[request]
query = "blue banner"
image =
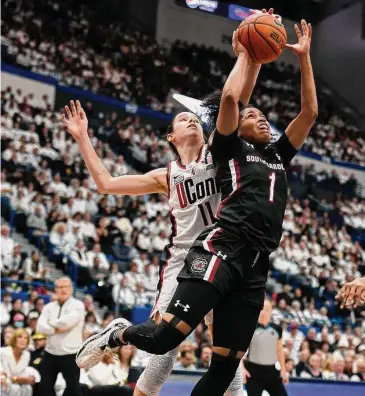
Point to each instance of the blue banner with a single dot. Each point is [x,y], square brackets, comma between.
[238,13]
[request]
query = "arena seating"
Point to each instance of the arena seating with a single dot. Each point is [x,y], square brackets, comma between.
[110,59]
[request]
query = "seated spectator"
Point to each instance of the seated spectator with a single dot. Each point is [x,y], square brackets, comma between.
[29,304]
[37,221]
[91,323]
[349,364]
[296,313]
[126,354]
[16,261]
[159,242]
[311,339]
[96,272]
[359,370]
[6,335]
[132,276]
[78,254]
[323,319]
[186,361]
[281,312]
[57,186]
[15,364]
[310,313]
[286,295]
[295,334]
[123,296]
[87,228]
[17,317]
[96,252]
[337,374]
[7,301]
[104,375]
[313,369]
[289,367]
[149,279]
[32,321]
[141,297]
[115,276]
[205,357]
[7,244]
[62,240]
[33,267]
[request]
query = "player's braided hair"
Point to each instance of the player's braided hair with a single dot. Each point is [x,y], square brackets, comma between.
[211,104]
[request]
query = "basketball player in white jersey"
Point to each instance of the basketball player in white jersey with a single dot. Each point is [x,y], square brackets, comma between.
[190,185]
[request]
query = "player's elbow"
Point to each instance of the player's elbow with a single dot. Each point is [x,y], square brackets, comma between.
[229,97]
[311,112]
[103,187]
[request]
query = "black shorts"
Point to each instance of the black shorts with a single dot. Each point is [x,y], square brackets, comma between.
[240,275]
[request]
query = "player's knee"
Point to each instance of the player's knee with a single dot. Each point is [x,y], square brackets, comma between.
[155,374]
[156,339]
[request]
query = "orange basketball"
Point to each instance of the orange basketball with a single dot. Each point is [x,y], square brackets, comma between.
[264,37]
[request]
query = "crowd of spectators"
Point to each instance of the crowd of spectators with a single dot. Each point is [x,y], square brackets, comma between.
[117,245]
[108,58]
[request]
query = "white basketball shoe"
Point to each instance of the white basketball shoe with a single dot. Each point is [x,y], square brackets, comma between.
[94,348]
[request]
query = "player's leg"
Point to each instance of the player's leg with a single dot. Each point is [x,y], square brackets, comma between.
[236,386]
[158,370]
[192,300]
[275,387]
[234,326]
[159,367]
[254,387]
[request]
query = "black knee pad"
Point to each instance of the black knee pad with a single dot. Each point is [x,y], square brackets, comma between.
[156,339]
[218,377]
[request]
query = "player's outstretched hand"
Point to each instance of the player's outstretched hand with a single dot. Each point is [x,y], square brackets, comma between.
[304,39]
[238,48]
[352,293]
[76,122]
[263,11]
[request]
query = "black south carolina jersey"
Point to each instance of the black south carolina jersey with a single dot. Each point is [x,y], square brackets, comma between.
[253,188]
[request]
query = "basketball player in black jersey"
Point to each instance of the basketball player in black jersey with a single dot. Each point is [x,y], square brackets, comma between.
[226,269]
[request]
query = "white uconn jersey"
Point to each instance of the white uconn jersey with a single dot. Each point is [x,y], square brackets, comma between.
[193,198]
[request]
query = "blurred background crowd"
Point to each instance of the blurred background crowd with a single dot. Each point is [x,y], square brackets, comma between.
[55,221]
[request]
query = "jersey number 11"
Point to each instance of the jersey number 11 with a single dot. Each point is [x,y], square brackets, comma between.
[207,214]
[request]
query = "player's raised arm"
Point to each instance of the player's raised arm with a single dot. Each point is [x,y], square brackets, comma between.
[228,116]
[152,182]
[253,69]
[299,128]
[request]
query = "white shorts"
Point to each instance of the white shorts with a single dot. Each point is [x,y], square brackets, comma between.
[169,282]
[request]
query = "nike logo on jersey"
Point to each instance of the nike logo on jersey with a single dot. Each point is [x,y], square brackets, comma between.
[189,192]
[178,304]
[178,179]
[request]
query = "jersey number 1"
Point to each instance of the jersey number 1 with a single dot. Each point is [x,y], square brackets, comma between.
[204,214]
[272,178]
